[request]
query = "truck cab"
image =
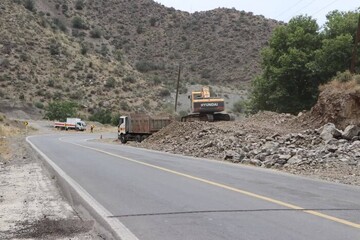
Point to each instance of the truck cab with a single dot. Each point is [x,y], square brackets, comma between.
[124,125]
[80,126]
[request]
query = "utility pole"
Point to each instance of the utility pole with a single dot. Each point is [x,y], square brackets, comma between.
[177,87]
[355,50]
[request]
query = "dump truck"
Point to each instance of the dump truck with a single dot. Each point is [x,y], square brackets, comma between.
[71,123]
[137,127]
[206,108]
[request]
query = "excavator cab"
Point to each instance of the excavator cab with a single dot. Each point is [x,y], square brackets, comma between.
[206,108]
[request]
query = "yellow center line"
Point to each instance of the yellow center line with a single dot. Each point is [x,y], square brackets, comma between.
[254,195]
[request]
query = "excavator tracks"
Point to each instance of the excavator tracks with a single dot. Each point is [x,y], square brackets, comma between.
[206,117]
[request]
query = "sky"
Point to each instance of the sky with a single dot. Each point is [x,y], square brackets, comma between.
[282,10]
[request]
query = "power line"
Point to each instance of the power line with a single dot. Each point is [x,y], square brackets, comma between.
[324,7]
[306,6]
[298,2]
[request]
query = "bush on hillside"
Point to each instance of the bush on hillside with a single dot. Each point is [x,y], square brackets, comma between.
[79,4]
[78,23]
[95,33]
[30,5]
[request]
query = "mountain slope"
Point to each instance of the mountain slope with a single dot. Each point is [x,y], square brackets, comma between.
[122,55]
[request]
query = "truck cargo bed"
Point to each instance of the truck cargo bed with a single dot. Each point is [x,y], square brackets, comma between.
[142,123]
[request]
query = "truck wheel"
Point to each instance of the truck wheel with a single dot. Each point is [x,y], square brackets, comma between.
[122,138]
[138,138]
[143,137]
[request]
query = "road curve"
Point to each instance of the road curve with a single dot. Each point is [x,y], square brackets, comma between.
[164,196]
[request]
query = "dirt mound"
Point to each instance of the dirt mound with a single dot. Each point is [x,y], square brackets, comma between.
[338,103]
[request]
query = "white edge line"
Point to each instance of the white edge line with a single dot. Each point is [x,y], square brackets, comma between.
[123,232]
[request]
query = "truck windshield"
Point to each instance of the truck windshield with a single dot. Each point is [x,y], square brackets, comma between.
[121,121]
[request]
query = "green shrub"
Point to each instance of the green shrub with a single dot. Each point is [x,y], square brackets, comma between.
[129,79]
[110,82]
[103,116]
[79,4]
[64,8]
[104,50]
[5,63]
[115,119]
[78,23]
[156,80]
[140,29]
[30,5]
[125,106]
[51,83]
[83,49]
[205,73]
[344,76]
[54,47]
[60,110]
[60,24]
[95,33]
[153,21]
[147,66]
[39,105]
[118,55]
[357,79]
[238,107]
[164,93]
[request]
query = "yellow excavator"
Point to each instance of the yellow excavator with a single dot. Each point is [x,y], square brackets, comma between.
[206,108]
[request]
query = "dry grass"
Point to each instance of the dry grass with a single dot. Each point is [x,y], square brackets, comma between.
[352,85]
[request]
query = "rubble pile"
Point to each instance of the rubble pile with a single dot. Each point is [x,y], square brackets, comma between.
[267,140]
[324,142]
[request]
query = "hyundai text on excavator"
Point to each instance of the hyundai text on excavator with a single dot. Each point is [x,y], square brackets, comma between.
[206,108]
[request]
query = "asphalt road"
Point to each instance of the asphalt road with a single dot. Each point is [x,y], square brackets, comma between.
[164,196]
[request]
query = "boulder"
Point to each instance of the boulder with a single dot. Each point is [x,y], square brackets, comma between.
[329,131]
[350,132]
[294,160]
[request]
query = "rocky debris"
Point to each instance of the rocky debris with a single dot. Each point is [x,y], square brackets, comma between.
[260,144]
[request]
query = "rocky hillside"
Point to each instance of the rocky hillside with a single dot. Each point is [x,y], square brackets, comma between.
[121,55]
[220,46]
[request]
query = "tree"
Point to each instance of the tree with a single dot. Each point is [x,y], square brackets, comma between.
[103,116]
[341,23]
[288,83]
[60,110]
[337,44]
[115,119]
[334,56]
